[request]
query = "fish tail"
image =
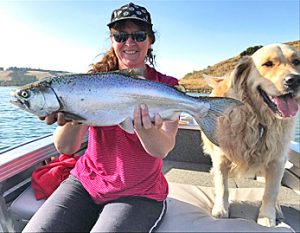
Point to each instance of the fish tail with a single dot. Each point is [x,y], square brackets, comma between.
[218,107]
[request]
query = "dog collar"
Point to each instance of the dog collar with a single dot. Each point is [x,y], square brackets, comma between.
[262,130]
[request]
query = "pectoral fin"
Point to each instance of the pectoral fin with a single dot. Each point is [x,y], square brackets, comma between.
[72,116]
[127,125]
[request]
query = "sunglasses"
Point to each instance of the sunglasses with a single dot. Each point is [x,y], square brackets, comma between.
[121,37]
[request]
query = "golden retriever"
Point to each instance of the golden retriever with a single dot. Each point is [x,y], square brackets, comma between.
[254,138]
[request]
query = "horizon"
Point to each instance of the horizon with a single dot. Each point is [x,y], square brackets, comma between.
[70,35]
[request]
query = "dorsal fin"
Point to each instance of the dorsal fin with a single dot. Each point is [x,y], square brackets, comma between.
[135,72]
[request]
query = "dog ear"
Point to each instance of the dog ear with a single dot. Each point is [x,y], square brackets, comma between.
[212,81]
[241,72]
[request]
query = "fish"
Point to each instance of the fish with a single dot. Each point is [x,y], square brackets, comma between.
[109,98]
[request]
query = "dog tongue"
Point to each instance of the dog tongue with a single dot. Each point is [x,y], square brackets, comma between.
[286,105]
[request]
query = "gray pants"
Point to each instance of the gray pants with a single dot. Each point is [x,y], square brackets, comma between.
[71,209]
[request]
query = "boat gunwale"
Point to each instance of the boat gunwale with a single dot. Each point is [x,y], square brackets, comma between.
[26,155]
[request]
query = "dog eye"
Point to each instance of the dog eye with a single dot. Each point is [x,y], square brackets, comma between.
[296,62]
[268,63]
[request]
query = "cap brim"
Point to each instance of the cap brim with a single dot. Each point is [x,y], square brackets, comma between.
[130,18]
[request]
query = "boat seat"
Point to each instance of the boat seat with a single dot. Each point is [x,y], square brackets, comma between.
[25,205]
[188,210]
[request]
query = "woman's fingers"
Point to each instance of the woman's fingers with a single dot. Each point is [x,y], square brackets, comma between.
[137,118]
[61,119]
[49,120]
[158,121]
[146,121]
[142,119]
[55,117]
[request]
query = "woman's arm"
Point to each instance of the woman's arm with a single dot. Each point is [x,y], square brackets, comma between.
[68,138]
[158,138]
[68,135]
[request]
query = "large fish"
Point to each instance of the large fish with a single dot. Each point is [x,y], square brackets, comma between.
[105,99]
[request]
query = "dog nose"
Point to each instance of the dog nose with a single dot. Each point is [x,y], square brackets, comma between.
[292,81]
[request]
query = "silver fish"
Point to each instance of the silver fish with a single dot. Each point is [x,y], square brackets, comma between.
[105,99]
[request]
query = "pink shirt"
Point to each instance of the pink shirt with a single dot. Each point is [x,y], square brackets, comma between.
[115,163]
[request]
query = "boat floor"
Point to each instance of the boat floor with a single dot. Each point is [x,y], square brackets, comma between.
[199,175]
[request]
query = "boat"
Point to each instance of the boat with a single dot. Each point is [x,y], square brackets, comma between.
[191,188]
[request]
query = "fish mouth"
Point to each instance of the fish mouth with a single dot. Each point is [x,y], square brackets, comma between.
[283,106]
[19,102]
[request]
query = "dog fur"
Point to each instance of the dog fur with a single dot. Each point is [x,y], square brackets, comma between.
[253,138]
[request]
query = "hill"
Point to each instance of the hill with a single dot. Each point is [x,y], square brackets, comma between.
[195,82]
[14,76]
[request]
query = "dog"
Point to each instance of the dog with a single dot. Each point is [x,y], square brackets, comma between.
[254,138]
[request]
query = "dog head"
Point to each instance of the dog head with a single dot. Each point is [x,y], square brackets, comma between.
[270,79]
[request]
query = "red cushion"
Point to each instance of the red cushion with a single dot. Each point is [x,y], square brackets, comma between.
[47,178]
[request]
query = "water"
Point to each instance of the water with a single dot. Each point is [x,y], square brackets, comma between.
[17,126]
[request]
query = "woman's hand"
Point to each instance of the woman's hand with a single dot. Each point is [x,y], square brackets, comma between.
[58,117]
[157,136]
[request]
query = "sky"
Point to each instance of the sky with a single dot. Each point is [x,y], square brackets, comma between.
[190,35]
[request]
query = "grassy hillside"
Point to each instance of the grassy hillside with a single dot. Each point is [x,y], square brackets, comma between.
[14,76]
[195,81]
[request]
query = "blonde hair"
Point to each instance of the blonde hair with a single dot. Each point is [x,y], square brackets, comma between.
[109,61]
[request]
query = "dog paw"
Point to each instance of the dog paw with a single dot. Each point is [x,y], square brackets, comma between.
[266,221]
[220,212]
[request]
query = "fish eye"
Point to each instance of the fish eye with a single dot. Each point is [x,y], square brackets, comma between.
[24,94]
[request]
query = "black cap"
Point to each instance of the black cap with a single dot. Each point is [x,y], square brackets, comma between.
[130,11]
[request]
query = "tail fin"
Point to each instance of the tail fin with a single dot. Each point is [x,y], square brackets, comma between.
[218,107]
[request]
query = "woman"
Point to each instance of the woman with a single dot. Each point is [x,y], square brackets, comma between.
[117,185]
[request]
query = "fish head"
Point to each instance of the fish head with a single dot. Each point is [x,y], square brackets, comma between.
[38,100]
